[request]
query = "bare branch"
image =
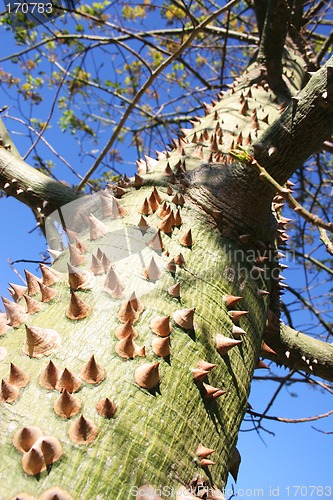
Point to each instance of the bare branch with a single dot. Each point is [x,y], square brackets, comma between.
[273,40]
[325,47]
[314,261]
[48,145]
[147,84]
[107,40]
[293,204]
[290,420]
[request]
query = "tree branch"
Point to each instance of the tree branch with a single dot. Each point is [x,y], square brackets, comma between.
[260,8]
[6,141]
[290,140]
[273,37]
[292,202]
[314,261]
[298,351]
[107,40]
[290,420]
[326,45]
[325,239]
[28,185]
[147,84]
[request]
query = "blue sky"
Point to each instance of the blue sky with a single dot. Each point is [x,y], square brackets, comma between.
[296,455]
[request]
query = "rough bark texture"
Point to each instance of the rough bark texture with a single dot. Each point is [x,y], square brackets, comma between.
[154,435]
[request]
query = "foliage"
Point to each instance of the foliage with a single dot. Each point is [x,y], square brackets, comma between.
[93,62]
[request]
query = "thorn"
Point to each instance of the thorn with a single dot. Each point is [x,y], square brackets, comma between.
[231,300]
[138,180]
[205,365]
[204,452]
[261,293]
[224,344]
[244,239]
[82,431]
[184,318]
[186,239]
[147,375]
[272,151]
[152,271]
[236,315]
[244,108]
[237,332]
[261,364]
[265,349]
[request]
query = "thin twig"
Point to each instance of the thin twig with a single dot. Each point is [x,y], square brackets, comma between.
[51,148]
[11,263]
[147,84]
[46,124]
[107,40]
[314,261]
[292,202]
[311,308]
[290,420]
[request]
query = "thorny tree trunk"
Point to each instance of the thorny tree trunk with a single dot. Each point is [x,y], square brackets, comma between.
[154,435]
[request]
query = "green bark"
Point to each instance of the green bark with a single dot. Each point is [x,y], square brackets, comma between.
[28,185]
[301,352]
[153,437]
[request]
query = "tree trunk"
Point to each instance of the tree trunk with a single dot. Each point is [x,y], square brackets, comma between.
[160,421]
[153,436]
